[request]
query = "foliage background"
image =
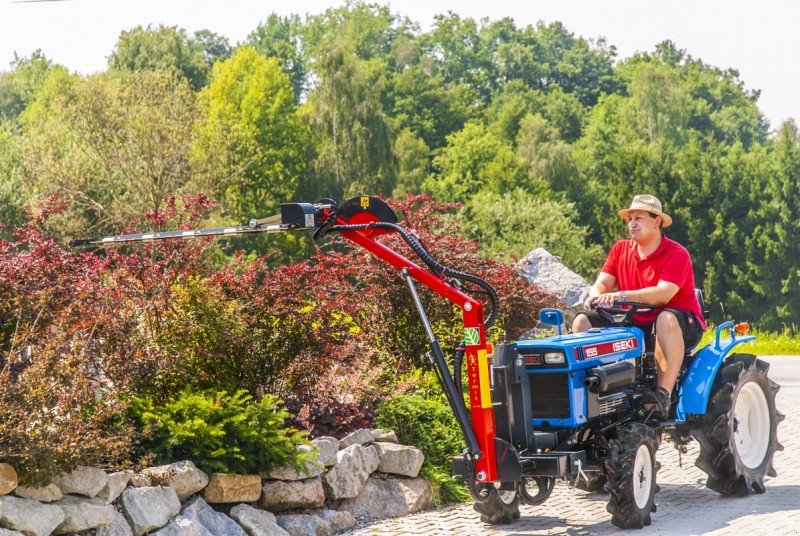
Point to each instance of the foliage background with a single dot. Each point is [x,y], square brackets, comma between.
[540,134]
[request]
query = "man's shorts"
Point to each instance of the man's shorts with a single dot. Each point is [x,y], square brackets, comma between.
[690,327]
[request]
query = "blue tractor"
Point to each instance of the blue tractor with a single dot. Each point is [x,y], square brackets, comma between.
[572,407]
[577,407]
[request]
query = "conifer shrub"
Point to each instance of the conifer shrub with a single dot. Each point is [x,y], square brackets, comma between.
[220,432]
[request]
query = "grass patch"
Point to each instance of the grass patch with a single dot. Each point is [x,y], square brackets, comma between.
[786,342]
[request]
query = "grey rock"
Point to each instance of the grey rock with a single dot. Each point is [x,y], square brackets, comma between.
[7,532]
[116,483]
[278,495]
[359,437]
[390,497]
[340,521]
[304,525]
[8,478]
[310,469]
[149,508]
[388,437]
[352,469]
[81,514]
[399,459]
[138,480]
[32,518]
[198,519]
[328,447]
[256,522]
[87,481]
[542,269]
[45,494]
[119,527]
[183,476]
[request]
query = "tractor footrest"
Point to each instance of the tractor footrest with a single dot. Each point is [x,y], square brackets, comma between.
[554,464]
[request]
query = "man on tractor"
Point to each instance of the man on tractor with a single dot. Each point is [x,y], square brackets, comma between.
[653,269]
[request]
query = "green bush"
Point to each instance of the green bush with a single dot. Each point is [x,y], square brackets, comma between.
[428,424]
[219,432]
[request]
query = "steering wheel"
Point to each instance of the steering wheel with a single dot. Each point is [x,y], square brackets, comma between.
[621,312]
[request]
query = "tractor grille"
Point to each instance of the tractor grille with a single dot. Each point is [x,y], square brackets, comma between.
[549,396]
[613,403]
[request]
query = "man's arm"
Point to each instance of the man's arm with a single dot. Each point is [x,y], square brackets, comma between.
[657,295]
[604,284]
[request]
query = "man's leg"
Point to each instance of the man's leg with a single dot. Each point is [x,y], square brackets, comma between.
[581,323]
[669,349]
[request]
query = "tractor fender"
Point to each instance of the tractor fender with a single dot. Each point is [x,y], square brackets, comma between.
[699,378]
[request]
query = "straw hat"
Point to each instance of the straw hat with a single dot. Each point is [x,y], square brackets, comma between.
[647,203]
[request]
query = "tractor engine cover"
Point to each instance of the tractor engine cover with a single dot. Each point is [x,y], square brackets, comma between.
[576,377]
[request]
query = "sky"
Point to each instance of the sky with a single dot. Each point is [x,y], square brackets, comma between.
[759,39]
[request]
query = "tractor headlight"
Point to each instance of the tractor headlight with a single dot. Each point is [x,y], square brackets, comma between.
[554,358]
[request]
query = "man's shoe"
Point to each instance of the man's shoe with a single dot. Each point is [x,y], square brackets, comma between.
[659,402]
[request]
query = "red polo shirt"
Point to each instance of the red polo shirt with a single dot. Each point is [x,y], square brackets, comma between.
[669,262]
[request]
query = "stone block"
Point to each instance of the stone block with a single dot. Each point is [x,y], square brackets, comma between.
[32,518]
[278,495]
[116,483]
[390,497]
[352,469]
[81,513]
[149,508]
[399,459]
[86,481]
[227,488]
[183,476]
[256,522]
[45,494]
[8,478]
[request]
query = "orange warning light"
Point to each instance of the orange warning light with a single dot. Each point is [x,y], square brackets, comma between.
[741,328]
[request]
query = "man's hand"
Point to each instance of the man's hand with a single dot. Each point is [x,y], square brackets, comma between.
[589,303]
[606,299]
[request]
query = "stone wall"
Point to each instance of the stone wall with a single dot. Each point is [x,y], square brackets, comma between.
[364,476]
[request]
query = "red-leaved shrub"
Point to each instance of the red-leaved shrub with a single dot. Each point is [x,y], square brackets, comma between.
[82,332]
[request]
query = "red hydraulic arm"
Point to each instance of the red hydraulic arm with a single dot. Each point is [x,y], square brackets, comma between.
[361,220]
[478,373]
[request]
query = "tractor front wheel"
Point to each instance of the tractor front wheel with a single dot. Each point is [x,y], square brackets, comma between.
[631,470]
[738,433]
[500,508]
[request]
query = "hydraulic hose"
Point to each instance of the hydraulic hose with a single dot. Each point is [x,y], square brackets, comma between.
[435,266]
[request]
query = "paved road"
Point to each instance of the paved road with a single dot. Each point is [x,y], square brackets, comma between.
[685,506]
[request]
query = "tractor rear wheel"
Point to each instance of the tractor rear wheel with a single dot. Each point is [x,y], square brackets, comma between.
[631,469]
[500,508]
[738,433]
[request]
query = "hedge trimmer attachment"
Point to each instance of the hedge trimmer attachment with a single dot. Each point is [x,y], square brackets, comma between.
[362,220]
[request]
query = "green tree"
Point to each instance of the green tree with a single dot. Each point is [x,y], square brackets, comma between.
[18,87]
[114,145]
[514,223]
[354,138]
[476,160]
[773,250]
[169,47]
[281,38]
[413,163]
[251,140]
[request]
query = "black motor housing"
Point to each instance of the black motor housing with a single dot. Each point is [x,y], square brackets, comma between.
[612,378]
